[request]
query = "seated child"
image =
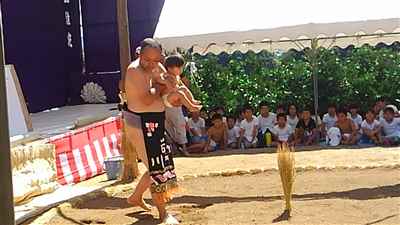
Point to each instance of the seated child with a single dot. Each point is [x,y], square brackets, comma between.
[233,133]
[371,129]
[248,129]
[216,135]
[306,130]
[329,119]
[266,121]
[292,117]
[174,90]
[391,127]
[282,132]
[197,130]
[197,127]
[347,128]
[355,117]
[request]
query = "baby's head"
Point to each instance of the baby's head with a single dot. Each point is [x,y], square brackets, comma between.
[174,64]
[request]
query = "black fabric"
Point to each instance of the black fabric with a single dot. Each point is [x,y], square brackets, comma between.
[159,154]
[307,127]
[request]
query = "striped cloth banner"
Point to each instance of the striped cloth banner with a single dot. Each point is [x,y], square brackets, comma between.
[80,154]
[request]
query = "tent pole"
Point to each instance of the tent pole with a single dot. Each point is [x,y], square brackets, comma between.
[6,193]
[131,169]
[314,52]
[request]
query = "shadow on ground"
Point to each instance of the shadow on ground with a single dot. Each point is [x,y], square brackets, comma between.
[270,150]
[390,191]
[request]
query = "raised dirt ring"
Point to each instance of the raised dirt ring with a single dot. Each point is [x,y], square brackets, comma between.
[367,196]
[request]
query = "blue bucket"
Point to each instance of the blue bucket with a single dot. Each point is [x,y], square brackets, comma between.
[113,167]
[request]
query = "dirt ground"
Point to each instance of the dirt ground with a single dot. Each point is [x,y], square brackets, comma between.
[368,196]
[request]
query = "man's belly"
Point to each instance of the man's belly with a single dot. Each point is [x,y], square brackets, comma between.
[136,106]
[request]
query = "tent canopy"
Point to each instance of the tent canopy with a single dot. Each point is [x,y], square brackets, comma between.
[339,34]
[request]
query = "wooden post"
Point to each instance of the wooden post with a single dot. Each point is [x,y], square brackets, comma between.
[124,41]
[131,169]
[6,193]
[314,54]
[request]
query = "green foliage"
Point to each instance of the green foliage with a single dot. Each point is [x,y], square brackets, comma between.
[359,76]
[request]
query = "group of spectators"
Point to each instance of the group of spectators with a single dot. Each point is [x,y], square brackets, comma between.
[214,130]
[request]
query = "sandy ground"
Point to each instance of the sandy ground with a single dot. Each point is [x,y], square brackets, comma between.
[353,196]
[265,158]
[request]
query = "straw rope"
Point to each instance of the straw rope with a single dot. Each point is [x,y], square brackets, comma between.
[287,172]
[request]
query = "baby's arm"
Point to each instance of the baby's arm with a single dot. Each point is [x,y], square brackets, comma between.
[166,80]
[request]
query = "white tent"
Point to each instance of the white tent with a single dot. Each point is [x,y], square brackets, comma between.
[339,34]
[206,26]
[258,24]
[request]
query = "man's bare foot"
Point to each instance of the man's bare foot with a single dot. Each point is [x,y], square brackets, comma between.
[138,203]
[170,220]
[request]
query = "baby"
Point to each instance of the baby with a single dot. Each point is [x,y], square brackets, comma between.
[175,91]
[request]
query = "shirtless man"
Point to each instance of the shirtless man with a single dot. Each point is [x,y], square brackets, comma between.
[217,135]
[144,121]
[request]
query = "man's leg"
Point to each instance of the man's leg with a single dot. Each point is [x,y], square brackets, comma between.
[136,199]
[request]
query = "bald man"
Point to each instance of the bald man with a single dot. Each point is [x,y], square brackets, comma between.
[145,128]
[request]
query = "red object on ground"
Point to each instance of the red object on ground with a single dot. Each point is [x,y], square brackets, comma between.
[80,154]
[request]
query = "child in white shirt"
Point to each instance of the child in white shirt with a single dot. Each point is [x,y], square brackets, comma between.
[355,117]
[248,129]
[233,133]
[390,127]
[329,119]
[370,129]
[282,132]
[266,122]
[292,118]
[197,128]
